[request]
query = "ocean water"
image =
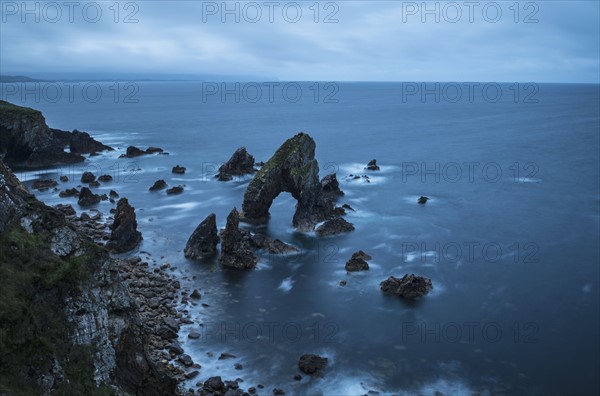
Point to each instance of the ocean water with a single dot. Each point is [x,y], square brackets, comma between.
[510,237]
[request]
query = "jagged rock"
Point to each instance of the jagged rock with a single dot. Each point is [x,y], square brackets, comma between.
[87,177]
[83,143]
[158,185]
[87,197]
[422,200]
[69,192]
[236,245]
[273,246]
[358,262]
[113,194]
[240,163]
[334,226]
[175,190]
[180,170]
[105,178]
[372,166]
[409,286]
[203,241]
[67,210]
[331,186]
[294,169]
[214,384]
[312,364]
[133,152]
[44,184]
[124,236]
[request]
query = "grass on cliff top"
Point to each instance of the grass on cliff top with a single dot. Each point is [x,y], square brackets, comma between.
[14,110]
[33,330]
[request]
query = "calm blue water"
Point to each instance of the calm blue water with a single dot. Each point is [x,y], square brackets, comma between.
[509,238]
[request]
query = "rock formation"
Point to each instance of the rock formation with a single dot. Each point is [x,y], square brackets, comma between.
[124,236]
[422,200]
[175,190]
[43,184]
[294,169]
[83,143]
[158,185]
[312,364]
[334,226]
[66,295]
[26,139]
[87,177]
[133,152]
[372,166]
[409,286]
[236,245]
[331,186]
[240,163]
[87,197]
[180,170]
[358,262]
[203,241]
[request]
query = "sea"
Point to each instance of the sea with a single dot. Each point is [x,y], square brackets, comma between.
[509,237]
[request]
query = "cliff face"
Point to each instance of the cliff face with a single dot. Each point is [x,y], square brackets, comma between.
[25,139]
[68,324]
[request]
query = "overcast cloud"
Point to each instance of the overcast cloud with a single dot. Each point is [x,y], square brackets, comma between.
[371,40]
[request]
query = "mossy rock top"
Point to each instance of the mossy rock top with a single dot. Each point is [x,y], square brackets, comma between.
[7,108]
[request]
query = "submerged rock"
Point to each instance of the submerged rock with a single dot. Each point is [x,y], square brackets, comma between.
[312,364]
[294,169]
[358,262]
[334,226]
[175,190]
[203,241]
[105,178]
[214,384]
[372,165]
[87,197]
[180,170]
[331,186]
[237,250]
[409,286]
[240,163]
[158,185]
[124,236]
[133,151]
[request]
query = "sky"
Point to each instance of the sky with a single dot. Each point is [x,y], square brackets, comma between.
[503,41]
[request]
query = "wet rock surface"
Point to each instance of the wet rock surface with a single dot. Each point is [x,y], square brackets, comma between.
[410,286]
[240,163]
[203,241]
[124,236]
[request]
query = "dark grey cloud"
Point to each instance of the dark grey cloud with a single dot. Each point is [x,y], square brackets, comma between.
[372,40]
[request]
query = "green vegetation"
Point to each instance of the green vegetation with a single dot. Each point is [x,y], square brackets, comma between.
[35,283]
[14,110]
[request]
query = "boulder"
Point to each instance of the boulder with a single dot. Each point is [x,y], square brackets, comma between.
[334,226]
[113,194]
[331,186]
[237,250]
[203,241]
[175,190]
[124,236]
[409,286]
[158,185]
[294,169]
[214,385]
[240,163]
[87,177]
[422,200]
[69,192]
[180,170]
[43,184]
[87,197]
[312,364]
[358,262]
[372,165]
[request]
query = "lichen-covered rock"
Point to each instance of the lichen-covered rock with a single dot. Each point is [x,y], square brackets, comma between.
[294,169]
[409,286]
[240,163]
[124,236]
[203,241]
[237,250]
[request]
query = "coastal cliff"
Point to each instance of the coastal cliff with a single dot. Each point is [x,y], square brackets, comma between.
[68,324]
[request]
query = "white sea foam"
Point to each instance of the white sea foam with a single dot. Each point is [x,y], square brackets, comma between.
[286,284]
